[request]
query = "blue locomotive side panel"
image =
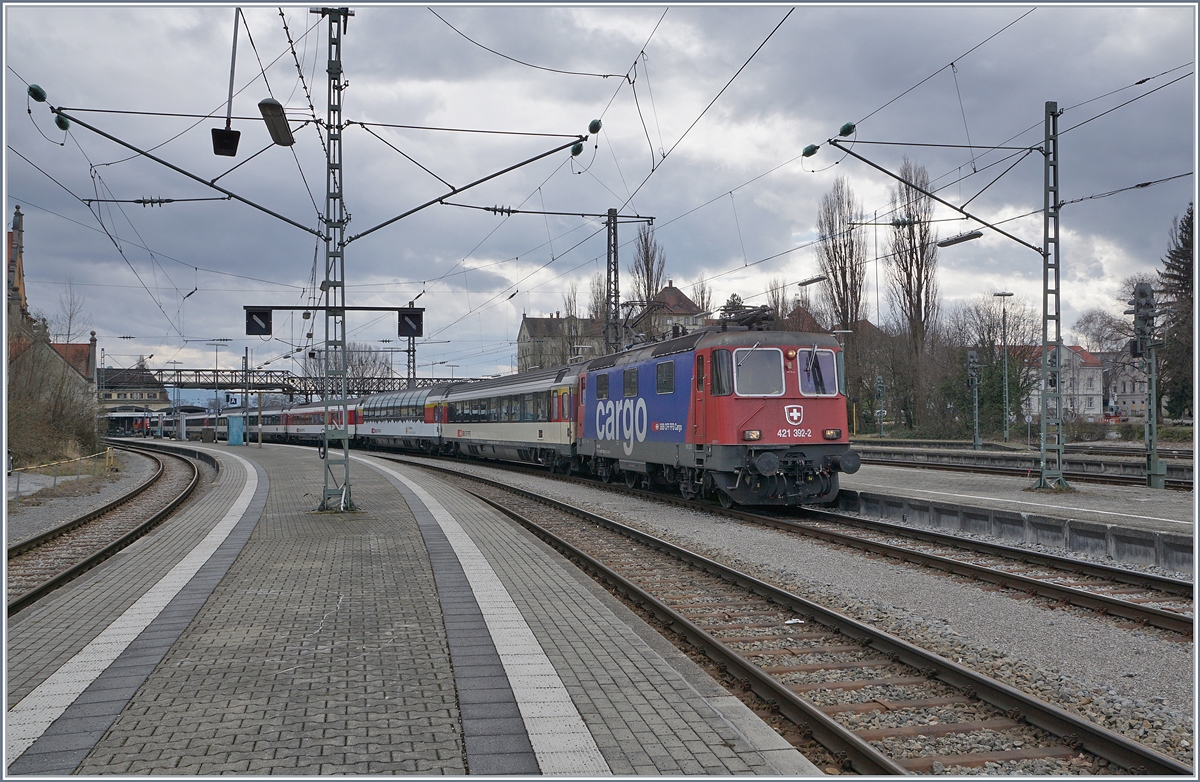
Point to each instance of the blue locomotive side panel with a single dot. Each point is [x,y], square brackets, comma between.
[639,403]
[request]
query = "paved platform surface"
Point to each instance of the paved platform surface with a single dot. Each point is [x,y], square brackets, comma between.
[1142,508]
[423,634]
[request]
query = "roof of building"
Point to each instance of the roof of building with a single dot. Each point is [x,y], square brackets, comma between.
[801,319]
[132,377]
[674,301]
[78,355]
[544,328]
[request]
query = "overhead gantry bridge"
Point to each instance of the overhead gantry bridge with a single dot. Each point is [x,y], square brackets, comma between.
[283,382]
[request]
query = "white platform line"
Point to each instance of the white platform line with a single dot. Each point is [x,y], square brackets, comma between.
[562,744]
[29,718]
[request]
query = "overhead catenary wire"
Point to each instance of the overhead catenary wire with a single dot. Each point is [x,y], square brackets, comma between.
[521,62]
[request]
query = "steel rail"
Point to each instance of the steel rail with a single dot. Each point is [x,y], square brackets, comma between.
[1168,620]
[54,582]
[34,541]
[1074,730]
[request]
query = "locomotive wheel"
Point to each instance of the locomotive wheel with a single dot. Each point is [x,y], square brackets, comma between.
[631,478]
[726,501]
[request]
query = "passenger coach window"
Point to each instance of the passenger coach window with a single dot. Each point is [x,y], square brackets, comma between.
[722,372]
[631,382]
[664,377]
[818,372]
[602,386]
[758,372]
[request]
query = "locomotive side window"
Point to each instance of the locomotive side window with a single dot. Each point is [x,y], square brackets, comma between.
[818,372]
[699,373]
[722,372]
[758,371]
[664,377]
[630,382]
[602,386]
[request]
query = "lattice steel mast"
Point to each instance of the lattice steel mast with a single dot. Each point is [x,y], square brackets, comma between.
[335,452]
[1051,397]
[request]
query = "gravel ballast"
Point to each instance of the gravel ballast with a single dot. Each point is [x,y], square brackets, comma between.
[1132,681]
[34,515]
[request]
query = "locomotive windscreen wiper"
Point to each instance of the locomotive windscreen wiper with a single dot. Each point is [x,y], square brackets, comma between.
[814,369]
[748,352]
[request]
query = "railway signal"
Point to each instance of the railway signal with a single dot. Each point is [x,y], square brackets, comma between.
[973,383]
[1143,345]
[411,322]
[258,321]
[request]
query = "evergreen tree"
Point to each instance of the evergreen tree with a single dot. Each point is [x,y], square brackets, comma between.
[1176,283]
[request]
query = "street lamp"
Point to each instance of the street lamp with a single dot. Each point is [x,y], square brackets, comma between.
[217,344]
[1004,339]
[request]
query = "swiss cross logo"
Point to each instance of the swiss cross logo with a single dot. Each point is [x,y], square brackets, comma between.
[794,413]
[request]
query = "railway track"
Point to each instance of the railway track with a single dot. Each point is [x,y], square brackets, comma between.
[40,564]
[878,704]
[1142,598]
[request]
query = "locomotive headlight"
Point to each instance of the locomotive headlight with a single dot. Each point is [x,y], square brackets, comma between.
[833,434]
[752,434]
[791,353]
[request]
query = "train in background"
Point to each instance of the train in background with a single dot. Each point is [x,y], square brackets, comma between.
[750,416]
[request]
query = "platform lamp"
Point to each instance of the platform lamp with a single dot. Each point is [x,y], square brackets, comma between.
[1004,340]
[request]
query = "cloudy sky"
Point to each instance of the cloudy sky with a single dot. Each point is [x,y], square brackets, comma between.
[711,152]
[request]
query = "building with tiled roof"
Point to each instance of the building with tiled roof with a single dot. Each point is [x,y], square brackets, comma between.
[133,386]
[671,312]
[549,342]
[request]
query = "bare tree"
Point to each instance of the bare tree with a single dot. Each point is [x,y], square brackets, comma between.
[912,271]
[912,286]
[69,322]
[842,253]
[1099,331]
[570,301]
[702,295]
[596,299]
[365,361]
[777,298]
[649,267]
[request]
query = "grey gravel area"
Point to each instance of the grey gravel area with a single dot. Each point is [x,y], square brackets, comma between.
[25,519]
[1134,682]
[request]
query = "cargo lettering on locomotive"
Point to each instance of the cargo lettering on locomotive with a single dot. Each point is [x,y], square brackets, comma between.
[624,420]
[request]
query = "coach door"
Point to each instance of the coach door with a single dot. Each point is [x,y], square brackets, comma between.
[699,430]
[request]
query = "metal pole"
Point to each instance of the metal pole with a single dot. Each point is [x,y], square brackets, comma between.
[1004,338]
[237,12]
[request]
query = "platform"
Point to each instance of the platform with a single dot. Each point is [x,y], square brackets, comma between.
[1131,524]
[424,634]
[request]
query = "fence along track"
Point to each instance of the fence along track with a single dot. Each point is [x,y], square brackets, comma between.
[60,553]
[723,611]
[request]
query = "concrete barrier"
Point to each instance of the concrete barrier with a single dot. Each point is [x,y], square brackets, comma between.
[1113,541]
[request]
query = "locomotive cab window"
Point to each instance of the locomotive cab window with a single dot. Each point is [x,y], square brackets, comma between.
[818,372]
[664,377]
[699,373]
[722,372]
[630,384]
[758,371]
